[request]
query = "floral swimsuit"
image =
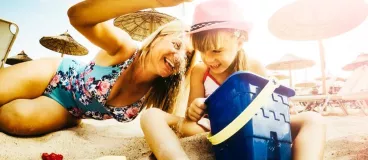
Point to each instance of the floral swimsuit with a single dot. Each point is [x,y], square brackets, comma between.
[83,90]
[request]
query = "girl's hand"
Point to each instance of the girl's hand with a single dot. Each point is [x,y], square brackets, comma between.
[196,109]
[169,3]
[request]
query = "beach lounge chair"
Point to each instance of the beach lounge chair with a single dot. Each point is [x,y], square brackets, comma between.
[354,89]
[7,38]
[310,101]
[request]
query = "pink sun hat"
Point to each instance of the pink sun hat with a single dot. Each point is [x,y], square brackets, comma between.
[216,14]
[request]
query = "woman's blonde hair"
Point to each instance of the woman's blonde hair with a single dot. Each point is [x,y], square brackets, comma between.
[211,40]
[164,91]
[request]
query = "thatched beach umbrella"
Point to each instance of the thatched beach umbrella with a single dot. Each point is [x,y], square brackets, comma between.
[340,79]
[361,60]
[290,62]
[317,20]
[19,58]
[64,44]
[306,84]
[141,24]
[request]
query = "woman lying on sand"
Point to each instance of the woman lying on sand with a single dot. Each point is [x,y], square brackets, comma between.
[118,83]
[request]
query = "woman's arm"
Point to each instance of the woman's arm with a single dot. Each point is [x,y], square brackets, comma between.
[89,17]
[161,138]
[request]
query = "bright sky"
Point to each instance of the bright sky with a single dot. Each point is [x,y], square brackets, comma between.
[38,18]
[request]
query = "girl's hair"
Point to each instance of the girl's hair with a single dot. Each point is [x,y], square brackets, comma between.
[164,91]
[211,40]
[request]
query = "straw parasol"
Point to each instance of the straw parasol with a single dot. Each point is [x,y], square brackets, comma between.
[290,62]
[317,20]
[306,84]
[64,44]
[19,58]
[141,24]
[329,77]
[361,60]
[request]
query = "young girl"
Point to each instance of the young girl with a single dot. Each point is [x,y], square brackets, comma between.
[219,38]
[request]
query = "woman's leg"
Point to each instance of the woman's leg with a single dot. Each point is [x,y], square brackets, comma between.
[32,117]
[23,111]
[308,131]
[26,80]
[309,135]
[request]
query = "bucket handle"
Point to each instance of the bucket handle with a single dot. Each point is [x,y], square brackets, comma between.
[246,115]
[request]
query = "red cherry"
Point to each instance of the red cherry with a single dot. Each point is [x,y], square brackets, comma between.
[45,156]
[53,156]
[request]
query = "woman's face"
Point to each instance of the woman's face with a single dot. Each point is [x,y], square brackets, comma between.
[170,53]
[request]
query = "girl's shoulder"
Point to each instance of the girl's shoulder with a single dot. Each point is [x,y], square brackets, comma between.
[255,66]
[199,70]
[200,66]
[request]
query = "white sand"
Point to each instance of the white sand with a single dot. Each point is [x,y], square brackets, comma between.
[347,138]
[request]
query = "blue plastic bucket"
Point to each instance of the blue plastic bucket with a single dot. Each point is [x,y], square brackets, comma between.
[267,135]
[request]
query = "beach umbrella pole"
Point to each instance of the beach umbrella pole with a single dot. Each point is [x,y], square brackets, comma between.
[323,65]
[290,79]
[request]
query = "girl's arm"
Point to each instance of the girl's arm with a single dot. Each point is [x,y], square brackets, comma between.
[196,91]
[191,127]
[196,82]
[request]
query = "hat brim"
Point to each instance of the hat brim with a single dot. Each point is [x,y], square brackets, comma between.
[244,26]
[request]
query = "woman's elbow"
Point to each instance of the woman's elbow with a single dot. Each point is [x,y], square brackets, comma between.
[74,15]
[72,12]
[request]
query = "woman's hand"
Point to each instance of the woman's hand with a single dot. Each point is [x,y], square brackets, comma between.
[169,3]
[196,109]
[90,19]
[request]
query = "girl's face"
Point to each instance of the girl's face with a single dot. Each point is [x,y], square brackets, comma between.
[223,55]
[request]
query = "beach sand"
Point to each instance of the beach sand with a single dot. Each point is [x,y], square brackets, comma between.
[347,138]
